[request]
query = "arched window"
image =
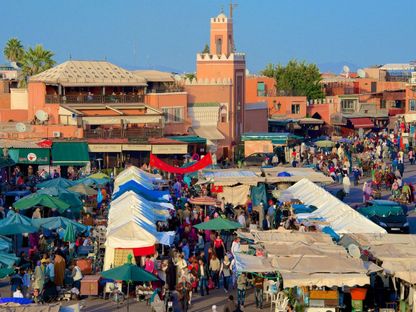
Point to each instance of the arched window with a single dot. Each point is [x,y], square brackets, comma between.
[218,46]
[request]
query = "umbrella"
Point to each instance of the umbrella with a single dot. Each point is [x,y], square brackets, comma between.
[15,218]
[5,243]
[8,259]
[14,229]
[53,223]
[6,272]
[218,224]
[324,143]
[204,200]
[99,175]
[58,182]
[67,196]
[92,181]
[69,235]
[83,189]
[129,272]
[41,200]
[345,140]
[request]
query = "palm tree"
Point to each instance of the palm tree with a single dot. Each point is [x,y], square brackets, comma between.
[13,51]
[36,60]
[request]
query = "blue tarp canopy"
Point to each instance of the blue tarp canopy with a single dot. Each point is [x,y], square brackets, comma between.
[134,186]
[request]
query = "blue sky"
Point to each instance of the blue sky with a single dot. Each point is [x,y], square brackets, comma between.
[168,33]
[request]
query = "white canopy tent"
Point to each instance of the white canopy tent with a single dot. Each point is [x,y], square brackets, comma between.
[340,217]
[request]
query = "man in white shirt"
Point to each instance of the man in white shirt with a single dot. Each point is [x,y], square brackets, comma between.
[242,219]
[235,246]
[18,293]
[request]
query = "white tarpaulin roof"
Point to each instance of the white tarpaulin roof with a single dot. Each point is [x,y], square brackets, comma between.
[396,251]
[341,217]
[248,263]
[133,173]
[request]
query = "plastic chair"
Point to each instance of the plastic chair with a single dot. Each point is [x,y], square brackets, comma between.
[282,306]
[278,300]
[269,289]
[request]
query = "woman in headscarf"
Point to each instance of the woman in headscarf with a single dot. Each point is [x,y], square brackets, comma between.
[59,268]
[38,277]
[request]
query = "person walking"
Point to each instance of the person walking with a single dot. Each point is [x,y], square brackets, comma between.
[258,291]
[214,267]
[203,277]
[184,288]
[241,289]
[226,273]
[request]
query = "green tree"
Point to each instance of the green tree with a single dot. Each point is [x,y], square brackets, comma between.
[206,49]
[296,79]
[37,60]
[190,76]
[14,51]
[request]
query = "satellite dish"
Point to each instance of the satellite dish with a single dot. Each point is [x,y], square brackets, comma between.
[346,69]
[354,251]
[361,73]
[41,115]
[20,127]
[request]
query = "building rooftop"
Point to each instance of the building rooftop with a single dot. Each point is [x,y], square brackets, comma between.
[89,73]
[155,75]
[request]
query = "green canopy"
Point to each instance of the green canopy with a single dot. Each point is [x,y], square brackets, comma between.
[83,189]
[69,235]
[130,273]
[381,211]
[14,229]
[92,181]
[54,223]
[324,143]
[8,259]
[30,156]
[70,153]
[5,244]
[218,224]
[58,182]
[6,162]
[15,218]
[67,196]
[44,200]
[6,272]
[192,139]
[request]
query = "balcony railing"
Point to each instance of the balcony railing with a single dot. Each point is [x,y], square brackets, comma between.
[93,99]
[136,134]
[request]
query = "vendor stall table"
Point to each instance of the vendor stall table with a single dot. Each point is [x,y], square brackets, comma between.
[90,285]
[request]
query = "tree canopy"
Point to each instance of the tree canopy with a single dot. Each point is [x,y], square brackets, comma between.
[206,49]
[296,79]
[32,61]
[13,50]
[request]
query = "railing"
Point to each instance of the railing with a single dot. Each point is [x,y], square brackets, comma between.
[139,134]
[93,99]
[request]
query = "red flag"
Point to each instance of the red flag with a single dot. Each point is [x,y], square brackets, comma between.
[156,162]
[217,189]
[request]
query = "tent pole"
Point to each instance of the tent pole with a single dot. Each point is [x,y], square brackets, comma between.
[127,297]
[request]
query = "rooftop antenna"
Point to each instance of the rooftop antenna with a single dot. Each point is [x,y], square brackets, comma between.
[232,7]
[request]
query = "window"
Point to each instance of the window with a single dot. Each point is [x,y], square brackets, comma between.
[261,90]
[412,105]
[295,108]
[348,105]
[172,114]
[383,104]
[373,86]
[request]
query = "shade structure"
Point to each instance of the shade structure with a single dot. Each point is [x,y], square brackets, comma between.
[14,229]
[130,273]
[53,223]
[345,140]
[92,181]
[58,182]
[15,218]
[8,259]
[70,153]
[6,272]
[83,189]
[364,123]
[218,224]
[324,143]
[5,243]
[41,200]
[204,200]
[69,235]
[99,175]
[152,195]
[67,196]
